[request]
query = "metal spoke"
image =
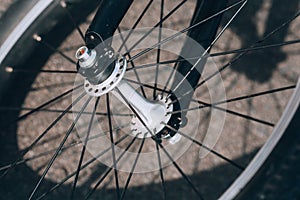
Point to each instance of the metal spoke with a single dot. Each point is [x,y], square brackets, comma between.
[13,70]
[132,64]
[236,99]
[39,39]
[153,28]
[147,85]
[73,144]
[234,60]
[160,63]
[207,148]
[205,53]
[64,5]
[170,78]
[132,169]
[112,145]
[161,172]
[250,49]
[26,150]
[84,149]
[60,111]
[181,172]
[50,86]
[244,53]
[135,24]
[47,103]
[156,140]
[58,150]
[238,114]
[185,30]
[256,94]
[82,167]
[105,174]
[158,48]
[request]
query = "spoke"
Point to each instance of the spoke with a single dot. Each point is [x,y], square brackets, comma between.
[216,54]
[135,24]
[73,144]
[26,150]
[133,167]
[39,39]
[256,94]
[137,75]
[156,139]
[112,145]
[13,70]
[147,85]
[58,150]
[236,99]
[54,85]
[109,170]
[207,148]
[160,63]
[238,114]
[61,111]
[161,172]
[169,79]
[84,149]
[82,167]
[185,30]
[181,172]
[250,49]
[234,60]
[158,48]
[38,156]
[132,64]
[254,45]
[47,103]
[205,54]
[64,5]
[255,48]
[153,28]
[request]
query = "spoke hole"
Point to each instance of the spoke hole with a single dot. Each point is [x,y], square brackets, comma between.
[87,85]
[96,91]
[103,88]
[90,89]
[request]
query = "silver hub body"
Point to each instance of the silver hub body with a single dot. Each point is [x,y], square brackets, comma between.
[154,114]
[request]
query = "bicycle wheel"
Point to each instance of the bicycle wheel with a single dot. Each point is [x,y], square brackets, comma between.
[46,119]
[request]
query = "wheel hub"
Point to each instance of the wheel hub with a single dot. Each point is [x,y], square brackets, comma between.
[104,71]
[158,118]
